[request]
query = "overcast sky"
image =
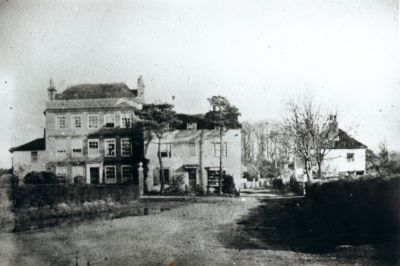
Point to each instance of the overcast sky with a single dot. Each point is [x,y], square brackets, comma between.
[256,53]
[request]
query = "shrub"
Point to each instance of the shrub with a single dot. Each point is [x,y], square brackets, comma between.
[175,185]
[277,183]
[79,179]
[51,178]
[33,178]
[228,186]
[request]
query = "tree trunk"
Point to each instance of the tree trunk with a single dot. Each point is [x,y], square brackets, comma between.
[161,167]
[221,150]
[306,165]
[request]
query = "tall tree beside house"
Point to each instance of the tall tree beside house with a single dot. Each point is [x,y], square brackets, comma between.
[223,115]
[311,133]
[156,119]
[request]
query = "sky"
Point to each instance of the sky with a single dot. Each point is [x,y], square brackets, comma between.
[259,54]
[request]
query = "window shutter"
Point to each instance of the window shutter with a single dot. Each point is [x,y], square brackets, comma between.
[156,177]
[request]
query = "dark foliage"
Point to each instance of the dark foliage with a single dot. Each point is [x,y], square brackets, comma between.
[35,178]
[42,195]
[79,179]
[277,183]
[228,185]
[175,185]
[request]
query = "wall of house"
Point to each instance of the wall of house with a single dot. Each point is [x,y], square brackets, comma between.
[22,163]
[203,157]
[336,161]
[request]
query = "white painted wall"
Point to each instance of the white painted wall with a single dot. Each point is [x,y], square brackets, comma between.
[179,140]
[21,161]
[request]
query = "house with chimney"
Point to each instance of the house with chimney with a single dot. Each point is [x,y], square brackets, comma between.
[190,152]
[91,132]
[346,157]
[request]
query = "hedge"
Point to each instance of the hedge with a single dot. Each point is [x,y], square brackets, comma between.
[49,195]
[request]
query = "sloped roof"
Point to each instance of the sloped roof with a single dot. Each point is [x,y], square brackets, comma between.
[347,142]
[96,91]
[34,145]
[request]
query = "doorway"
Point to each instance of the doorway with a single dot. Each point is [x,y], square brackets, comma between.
[94,174]
[192,172]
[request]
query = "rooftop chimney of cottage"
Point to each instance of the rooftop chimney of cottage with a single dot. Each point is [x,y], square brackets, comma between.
[140,88]
[333,125]
[51,91]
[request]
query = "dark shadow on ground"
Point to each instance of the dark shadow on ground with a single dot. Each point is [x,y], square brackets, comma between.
[288,224]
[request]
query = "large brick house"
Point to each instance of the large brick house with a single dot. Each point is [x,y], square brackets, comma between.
[90,132]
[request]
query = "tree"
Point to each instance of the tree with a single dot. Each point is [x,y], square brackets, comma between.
[311,133]
[156,119]
[385,162]
[223,115]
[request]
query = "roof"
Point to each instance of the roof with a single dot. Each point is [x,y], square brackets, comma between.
[96,91]
[347,142]
[34,145]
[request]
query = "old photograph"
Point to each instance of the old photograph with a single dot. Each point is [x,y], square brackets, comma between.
[197,132]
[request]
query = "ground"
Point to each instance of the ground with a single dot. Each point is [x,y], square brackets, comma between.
[200,231]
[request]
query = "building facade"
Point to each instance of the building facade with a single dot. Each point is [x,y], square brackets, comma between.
[91,133]
[192,155]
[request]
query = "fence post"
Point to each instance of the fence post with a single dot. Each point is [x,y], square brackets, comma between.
[141,179]
[7,217]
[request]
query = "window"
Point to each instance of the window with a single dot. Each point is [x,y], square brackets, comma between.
[93,121]
[109,147]
[61,122]
[165,150]
[157,176]
[126,120]
[126,172]
[93,147]
[213,178]
[34,156]
[350,157]
[109,120]
[76,121]
[111,176]
[126,147]
[77,171]
[61,150]
[192,148]
[191,126]
[76,146]
[61,171]
[217,149]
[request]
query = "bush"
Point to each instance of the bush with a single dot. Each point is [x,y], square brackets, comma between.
[228,186]
[277,183]
[33,178]
[79,179]
[175,185]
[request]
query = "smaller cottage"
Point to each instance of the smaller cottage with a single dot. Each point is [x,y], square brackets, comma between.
[29,157]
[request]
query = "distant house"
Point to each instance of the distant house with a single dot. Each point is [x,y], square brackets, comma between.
[90,132]
[346,157]
[191,152]
[29,157]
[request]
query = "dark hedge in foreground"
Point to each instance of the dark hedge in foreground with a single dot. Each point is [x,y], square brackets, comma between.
[355,211]
[49,195]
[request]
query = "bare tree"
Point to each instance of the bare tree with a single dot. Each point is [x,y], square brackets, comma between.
[311,133]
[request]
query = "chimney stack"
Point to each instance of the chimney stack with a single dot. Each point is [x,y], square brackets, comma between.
[51,91]
[140,88]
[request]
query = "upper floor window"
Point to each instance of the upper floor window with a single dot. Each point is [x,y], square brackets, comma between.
[76,146]
[126,147]
[191,126]
[111,174]
[109,147]
[34,156]
[76,121]
[61,148]
[217,149]
[192,148]
[93,121]
[109,120]
[61,122]
[350,157]
[93,147]
[126,120]
[165,150]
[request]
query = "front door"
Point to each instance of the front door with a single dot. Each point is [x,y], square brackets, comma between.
[94,175]
[192,179]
